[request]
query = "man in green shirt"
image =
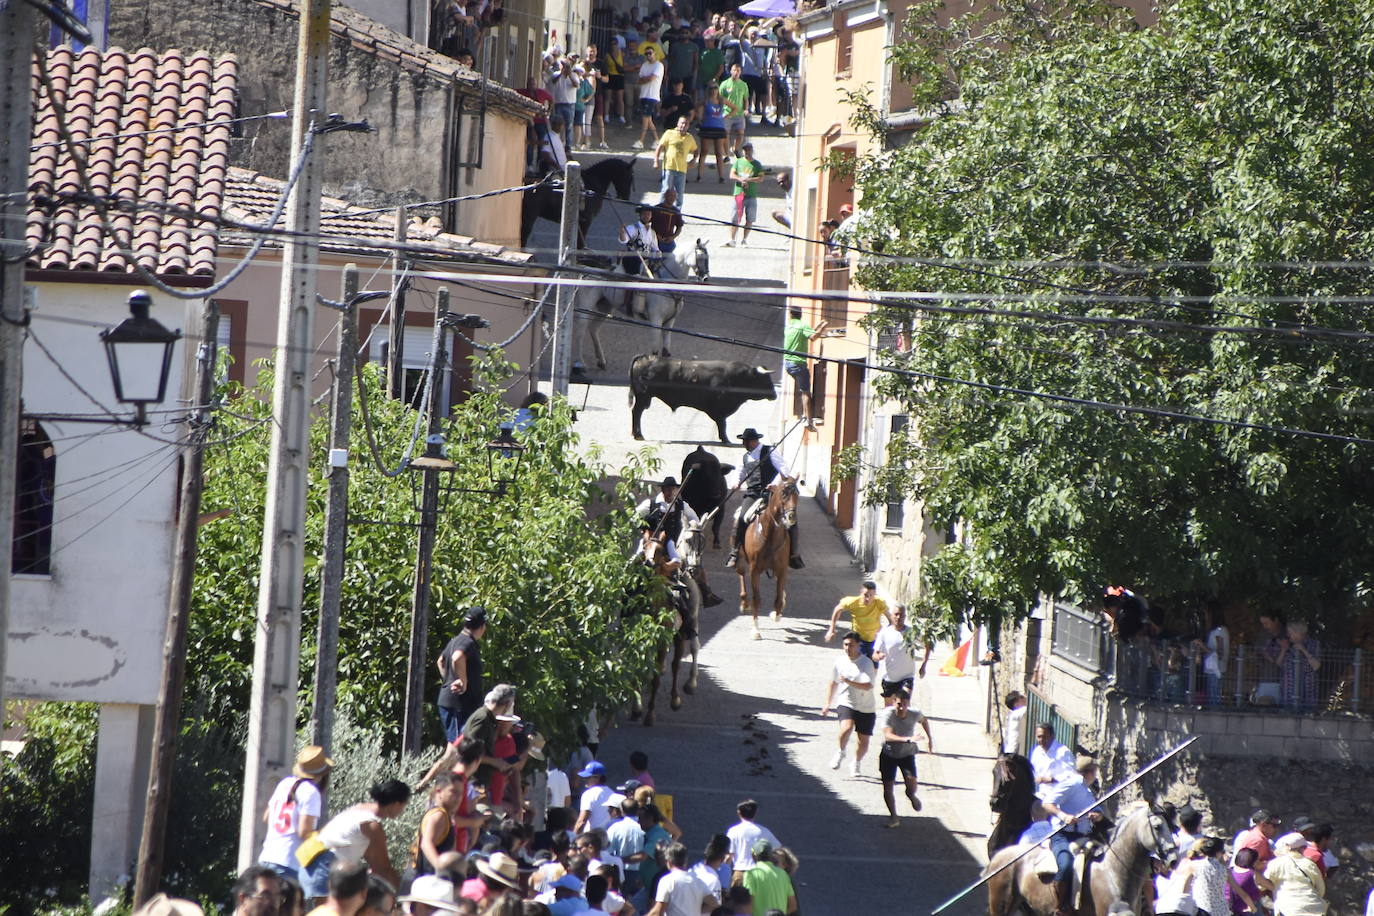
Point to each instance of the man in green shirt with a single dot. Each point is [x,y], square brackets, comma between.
[708,70]
[796,339]
[734,95]
[770,886]
[747,173]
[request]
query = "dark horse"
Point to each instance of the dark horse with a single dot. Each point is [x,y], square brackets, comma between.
[687,610]
[1141,835]
[547,202]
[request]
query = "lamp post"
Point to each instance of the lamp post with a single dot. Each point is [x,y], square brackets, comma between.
[432,492]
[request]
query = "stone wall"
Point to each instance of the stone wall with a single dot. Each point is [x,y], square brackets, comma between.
[407,92]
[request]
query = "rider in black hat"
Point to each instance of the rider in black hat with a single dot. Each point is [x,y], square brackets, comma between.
[761,466]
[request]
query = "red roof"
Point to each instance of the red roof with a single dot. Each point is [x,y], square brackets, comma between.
[117,92]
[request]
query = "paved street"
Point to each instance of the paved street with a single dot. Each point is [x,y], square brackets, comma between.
[754,729]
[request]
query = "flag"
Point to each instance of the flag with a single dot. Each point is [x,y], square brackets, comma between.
[955,665]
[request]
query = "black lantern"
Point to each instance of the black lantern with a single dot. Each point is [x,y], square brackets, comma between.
[503,459]
[139,350]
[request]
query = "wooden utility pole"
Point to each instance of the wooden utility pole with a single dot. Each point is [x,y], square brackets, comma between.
[167,716]
[335,519]
[429,522]
[396,338]
[564,320]
[276,651]
[16,113]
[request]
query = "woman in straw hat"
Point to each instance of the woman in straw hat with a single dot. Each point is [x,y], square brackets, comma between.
[293,811]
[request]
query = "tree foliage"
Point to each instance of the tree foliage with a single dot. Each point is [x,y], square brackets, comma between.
[1222,155]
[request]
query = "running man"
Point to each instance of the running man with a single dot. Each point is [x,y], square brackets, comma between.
[867,612]
[855,675]
[899,751]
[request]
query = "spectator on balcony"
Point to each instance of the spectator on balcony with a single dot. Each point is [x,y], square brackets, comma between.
[1215,649]
[1014,725]
[1048,759]
[1299,659]
[1272,623]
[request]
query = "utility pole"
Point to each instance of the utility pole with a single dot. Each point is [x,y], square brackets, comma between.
[16,111]
[167,717]
[276,651]
[396,338]
[429,523]
[564,320]
[335,519]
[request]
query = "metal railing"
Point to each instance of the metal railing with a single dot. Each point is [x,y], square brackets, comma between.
[1253,677]
[1080,637]
[1040,709]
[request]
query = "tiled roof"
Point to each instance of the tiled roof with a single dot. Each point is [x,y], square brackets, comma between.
[117,92]
[369,35]
[250,198]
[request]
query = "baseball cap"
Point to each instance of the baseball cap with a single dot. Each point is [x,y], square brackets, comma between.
[761,849]
[569,882]
[629,786]
[615,801]
[595,768]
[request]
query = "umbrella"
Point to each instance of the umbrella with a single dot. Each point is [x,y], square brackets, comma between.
[769,8]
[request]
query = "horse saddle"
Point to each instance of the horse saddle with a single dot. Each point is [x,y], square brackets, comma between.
[754,509]
[1084,850]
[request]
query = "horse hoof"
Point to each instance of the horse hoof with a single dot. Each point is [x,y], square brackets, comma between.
[689,688]
[776,615]
[648,721]
[676,704]
[601,364]
[757,634]
[634,715]
[638,437]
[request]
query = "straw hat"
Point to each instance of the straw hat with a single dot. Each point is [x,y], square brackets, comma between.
[502,868]
[312,762]
[162,905]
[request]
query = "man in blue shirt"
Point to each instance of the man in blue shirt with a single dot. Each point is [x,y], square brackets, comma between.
[1070,802]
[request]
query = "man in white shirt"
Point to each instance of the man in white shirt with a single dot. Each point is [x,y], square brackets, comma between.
[560,790]
[553,154]
[650,83]
[1014,725]
[743,835]
[679,893]
[896,665]
[855,675]
[592,813]
[707,871]
[1048,760]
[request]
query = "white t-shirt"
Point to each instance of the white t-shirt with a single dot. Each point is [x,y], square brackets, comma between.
[1011,730]
[1044,763]
[903,727]
[709,878]
[594,802]
[682,892]
[559,788]
[860,669]
[742,837]
[563,88]
[897,663]
[283,818]
[654,71]
[1218,650]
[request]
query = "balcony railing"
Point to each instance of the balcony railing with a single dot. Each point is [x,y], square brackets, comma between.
[1080,637]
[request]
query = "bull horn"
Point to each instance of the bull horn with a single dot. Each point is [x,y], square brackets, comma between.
[762,370]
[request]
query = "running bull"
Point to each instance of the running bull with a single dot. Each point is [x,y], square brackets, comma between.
[716,387]
[704,487]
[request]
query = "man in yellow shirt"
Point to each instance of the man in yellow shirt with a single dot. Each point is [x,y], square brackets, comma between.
[868,613]
[672,153]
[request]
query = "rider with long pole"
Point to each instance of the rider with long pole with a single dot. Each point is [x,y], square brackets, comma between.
[761,466]
[1073,807]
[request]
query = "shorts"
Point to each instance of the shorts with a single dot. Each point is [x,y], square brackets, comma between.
[748,207]
[890,688]
[888,766]
[802,376]
[648,108]
[866,647]
[711,133]
[615,82]
[736,124]
[863,721]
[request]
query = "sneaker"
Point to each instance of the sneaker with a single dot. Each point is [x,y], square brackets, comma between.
[731,560]
[729,244]
[854,768]
[915,803]
[743,243]
[603,145]
[837,760]
[638,144]
[892,822]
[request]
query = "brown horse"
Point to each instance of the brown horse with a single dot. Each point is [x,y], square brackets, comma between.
[765,549]
[684,629]
[1114,883]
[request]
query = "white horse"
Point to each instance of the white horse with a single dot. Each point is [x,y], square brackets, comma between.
[659,309]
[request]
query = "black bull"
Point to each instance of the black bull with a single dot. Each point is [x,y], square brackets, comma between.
[716,387]
[703,487]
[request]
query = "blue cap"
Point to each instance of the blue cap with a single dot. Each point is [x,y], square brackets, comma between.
[595,768]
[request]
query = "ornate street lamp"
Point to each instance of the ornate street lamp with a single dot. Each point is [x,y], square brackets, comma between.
[139,351]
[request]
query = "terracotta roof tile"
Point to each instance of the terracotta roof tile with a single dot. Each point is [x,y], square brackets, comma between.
[119,92]
[250,197]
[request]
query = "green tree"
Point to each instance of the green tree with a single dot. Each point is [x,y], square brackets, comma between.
[1219,154]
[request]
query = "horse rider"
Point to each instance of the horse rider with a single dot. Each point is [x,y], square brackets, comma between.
[761,468]
[669,506]
[641,243]
[1070,802]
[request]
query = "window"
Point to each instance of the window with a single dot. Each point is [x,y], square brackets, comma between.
[1079,637]
[844,50]
[414,356]
[35,476]
[810,249]
[895,516]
